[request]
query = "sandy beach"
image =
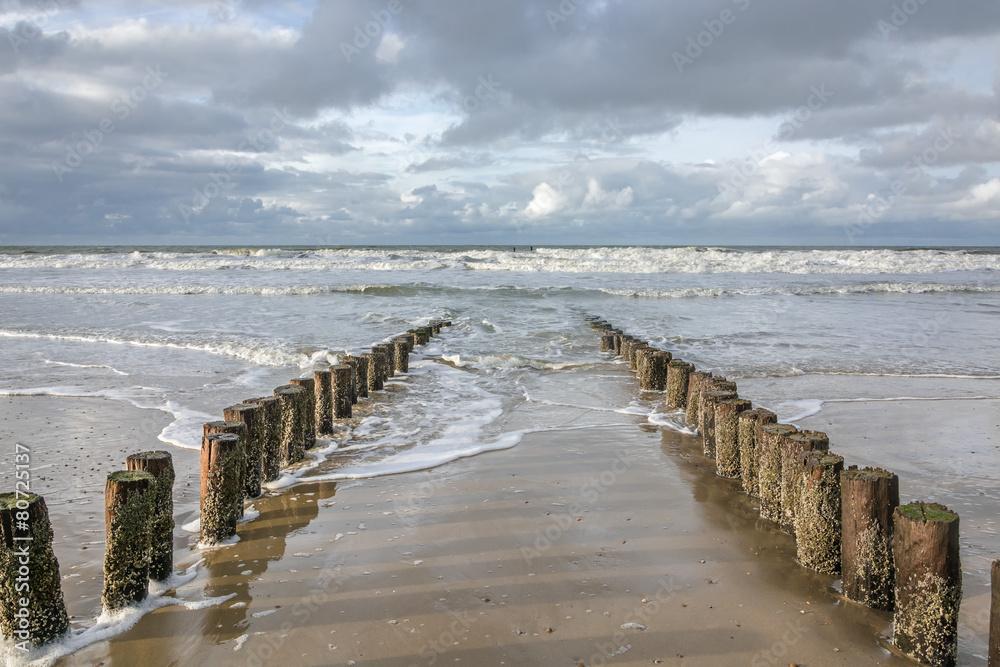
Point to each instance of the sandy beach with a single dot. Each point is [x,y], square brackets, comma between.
[605,540]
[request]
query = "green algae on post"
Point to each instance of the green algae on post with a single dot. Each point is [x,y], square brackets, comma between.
[928,566]
[25,531]
[128,502]
[239,428]
[160,465]
[270,450]
[817,511]
[868,499]
[749,449]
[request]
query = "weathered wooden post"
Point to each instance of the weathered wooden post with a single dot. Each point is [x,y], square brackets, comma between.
[384,354]
[994,654]
[928,582]
[128,510]
[817,512]
[239,429]
[693,403]
[868,499]
[220,492]
[436,326]
[727,442]
[749,421]
[353,362]
[608,343]
[254,416]
[769,476]
[324,402]
[26,558]
[678,376]
[292,428]
[160,465]
[270,449]
[420,335]
[792,448]
[309,405]
[653,369]
[370,363]
[709,399]
[341,391]
[400,355]
[619,337]
[633,357]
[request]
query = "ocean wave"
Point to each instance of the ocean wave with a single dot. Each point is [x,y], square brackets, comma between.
[791,290]
[228,290]
[642,260]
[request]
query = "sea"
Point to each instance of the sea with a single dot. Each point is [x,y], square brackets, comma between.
[191,330]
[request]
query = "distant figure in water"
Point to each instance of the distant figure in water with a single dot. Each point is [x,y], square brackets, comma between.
[514,249]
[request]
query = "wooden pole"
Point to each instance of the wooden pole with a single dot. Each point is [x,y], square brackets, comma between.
[239,429]
[26,535]
[292,428]
[709,399]
[422,336]
[678,376]
[994,655]
[633,357]
[253,415]
[220,463]
[608,343]
[369,364]
[160,465]
[353,362]
[693,402]
[128,510]
[309,400]
[384,354]
[817,512]
[792,448]
[324,402]
[727,443]
[925,552]
[653,369]
[400,355]
[270,450]
[341,391]
[928,566]
[868,499]
[749,451]
[769,474]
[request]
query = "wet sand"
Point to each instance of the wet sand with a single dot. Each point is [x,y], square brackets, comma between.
[538,555]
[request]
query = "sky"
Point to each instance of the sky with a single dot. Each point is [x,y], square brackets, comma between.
[668,122]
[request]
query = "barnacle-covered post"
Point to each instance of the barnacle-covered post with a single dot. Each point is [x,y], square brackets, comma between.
[400,355]
[817,512]
[341,391]
[270,447]
[792,448]
[240,429]
[309,407]
[160,465]
[220,492]
[868,499]
[994,654]
[354,363]
[369,364]
[928,582]
[26,557]
[254,416]
[769,474]
[128,511]
[692,404]
[324,402]
[678,376]
[749,451]
[727,445]
[420,335]
[711,393]
[292,429]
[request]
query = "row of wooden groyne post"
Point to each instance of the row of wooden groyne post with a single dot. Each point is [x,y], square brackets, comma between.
[849,522]
[239,454]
